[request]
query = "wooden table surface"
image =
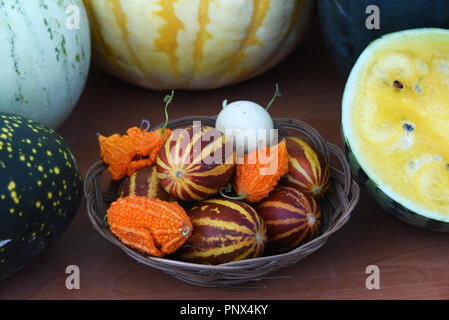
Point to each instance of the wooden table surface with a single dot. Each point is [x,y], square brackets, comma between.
[413,262]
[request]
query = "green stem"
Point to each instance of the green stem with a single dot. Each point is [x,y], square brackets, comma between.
[277,94]
[226,189]
[105,220]
[168,99]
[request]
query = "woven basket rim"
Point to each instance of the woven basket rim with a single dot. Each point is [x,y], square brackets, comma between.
[344,189]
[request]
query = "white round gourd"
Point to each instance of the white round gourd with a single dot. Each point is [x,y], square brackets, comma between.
[248,124]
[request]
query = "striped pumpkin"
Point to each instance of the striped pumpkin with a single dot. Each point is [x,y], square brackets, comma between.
[144,182]
[308,171]
[195,163]
[291,216]
[224,231]
[44,64]
[194,44]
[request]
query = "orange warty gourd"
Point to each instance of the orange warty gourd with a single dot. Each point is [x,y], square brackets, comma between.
[152,226]
[128,153]
[254,180]
[194,44]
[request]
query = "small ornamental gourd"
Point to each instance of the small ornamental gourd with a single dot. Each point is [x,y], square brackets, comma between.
[136,150]
[224,231]
[291,216]
[128,153]
[308,171]
[195,163]
[255,178]
[151,226]
[144,182]
[248,124]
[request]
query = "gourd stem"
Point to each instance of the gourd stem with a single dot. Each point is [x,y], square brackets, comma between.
[239,197]
[146,123]
[168,99]
[105,220]
[277,94]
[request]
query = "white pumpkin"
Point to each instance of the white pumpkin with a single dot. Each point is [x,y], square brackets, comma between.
[44,58]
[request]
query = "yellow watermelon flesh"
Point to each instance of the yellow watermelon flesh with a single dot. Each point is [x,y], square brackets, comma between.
[395,119]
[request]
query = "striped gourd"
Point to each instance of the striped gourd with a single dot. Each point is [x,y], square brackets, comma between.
[291,216]
[194,44]
[224,231]
[194,166]
[44,64]
[308,171]
[144,182]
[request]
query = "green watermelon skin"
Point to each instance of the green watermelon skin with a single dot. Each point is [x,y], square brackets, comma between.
[40,190]
[345,33]
[388,204]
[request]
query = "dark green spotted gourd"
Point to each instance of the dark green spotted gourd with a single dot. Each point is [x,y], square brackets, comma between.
[40,190]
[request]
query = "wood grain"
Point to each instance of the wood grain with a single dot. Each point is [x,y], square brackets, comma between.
[413,262]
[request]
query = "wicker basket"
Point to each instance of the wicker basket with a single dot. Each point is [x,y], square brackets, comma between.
[336,208]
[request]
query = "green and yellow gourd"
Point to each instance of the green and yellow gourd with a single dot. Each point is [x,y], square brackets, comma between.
[40,190]
[395,123]
[194,44]
[44,63]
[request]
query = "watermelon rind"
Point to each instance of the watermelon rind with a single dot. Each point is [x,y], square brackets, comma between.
[402,208]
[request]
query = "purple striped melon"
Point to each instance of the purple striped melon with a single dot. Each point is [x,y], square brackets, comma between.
[195,163]
[144,182]
[308,171]
[224,231]
[291,216]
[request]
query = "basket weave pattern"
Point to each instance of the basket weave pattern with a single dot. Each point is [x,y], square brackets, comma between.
[336,209]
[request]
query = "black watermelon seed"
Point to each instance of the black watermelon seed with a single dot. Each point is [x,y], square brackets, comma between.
[398,84]
[408,127]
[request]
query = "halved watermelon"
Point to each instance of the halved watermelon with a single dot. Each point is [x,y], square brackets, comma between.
[395,124]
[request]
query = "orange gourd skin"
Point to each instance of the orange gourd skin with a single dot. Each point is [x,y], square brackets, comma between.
[151,226]
[128,153]
[251,179]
